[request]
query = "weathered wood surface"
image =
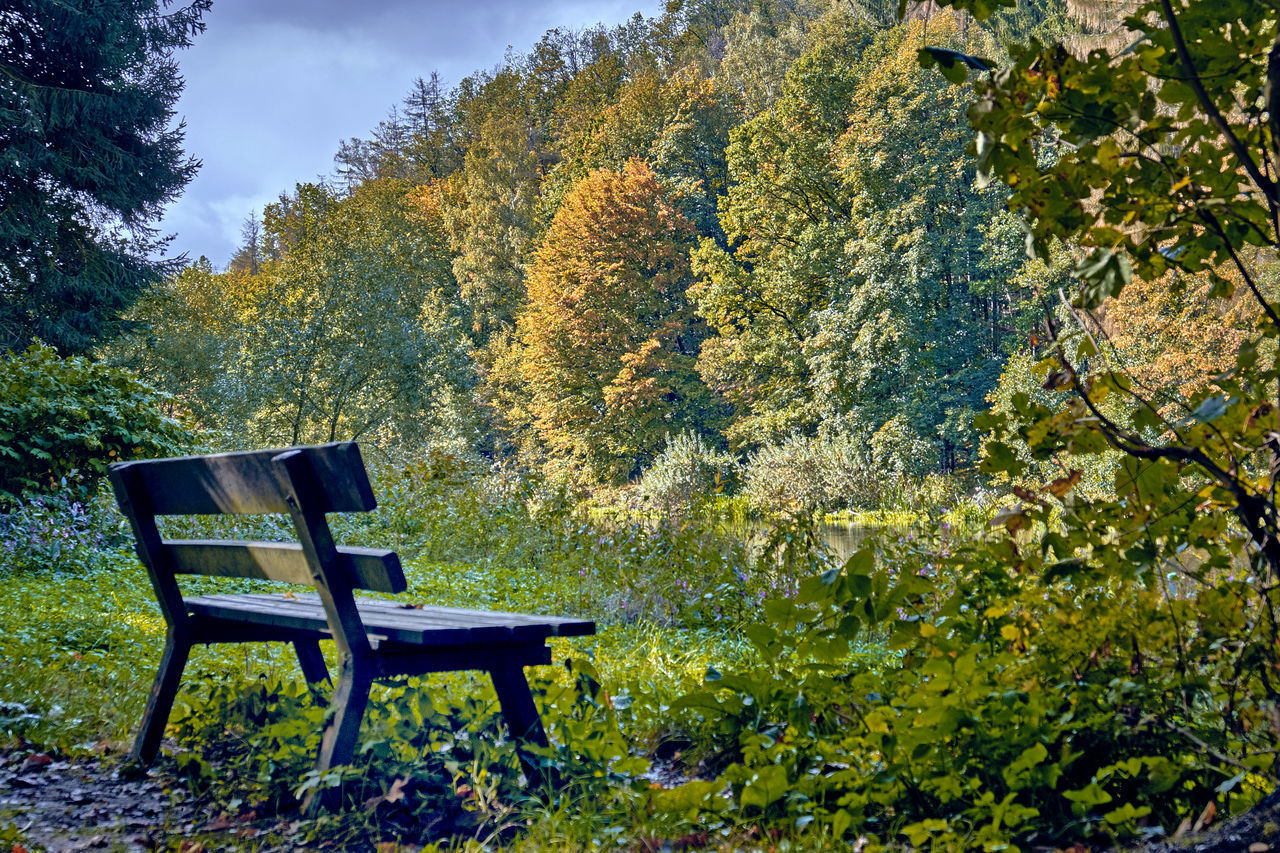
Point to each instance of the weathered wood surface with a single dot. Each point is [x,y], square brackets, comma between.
[366,568]
[421,626]
[248,483]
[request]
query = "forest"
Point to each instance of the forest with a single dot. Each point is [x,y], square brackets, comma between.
[626,326]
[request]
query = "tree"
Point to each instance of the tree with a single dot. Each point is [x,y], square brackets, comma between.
[491,202]
[89,158]
[351,332]
[1157,165]
[1157,162]
[869,279]
[604,352]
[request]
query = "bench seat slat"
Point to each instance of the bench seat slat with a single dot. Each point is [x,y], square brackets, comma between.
[368,568]
[311,618]
[416,630]
[437,626]
[566,627]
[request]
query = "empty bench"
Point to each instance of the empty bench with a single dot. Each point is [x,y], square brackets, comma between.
[374,637]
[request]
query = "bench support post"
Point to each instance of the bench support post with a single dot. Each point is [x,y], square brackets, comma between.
[341,730]
[311,661]
[160,702]
[521,715]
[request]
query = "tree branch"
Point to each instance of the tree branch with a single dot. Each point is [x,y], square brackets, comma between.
[1215,115]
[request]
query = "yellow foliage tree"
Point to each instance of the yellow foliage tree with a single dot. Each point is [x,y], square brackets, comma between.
[601,367]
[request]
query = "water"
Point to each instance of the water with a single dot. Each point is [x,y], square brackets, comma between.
[841,538]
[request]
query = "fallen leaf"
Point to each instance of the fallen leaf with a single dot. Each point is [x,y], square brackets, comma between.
[1206,816]
[1182,830]
[191,847]
[39,761]
[219,823]
[1259,847]
[396,794]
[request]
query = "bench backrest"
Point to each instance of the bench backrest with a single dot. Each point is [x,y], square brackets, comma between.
[301,482]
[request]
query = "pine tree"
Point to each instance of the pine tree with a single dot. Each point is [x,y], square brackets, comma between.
[89,155]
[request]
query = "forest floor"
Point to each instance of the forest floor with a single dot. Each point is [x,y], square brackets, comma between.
[89,804]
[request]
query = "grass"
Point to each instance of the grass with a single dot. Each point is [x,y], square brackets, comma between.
[84,634]
[84,647]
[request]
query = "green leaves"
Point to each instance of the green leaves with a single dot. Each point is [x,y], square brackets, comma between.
[63,416]
[952,63]
[766,786]
[1103,274]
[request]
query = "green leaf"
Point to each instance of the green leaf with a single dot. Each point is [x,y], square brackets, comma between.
[1104,274]
[1000,457]
[766,786]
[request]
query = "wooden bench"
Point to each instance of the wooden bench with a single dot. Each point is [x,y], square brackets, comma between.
[374,637]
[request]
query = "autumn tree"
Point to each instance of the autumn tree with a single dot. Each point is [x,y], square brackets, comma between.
[604,351]
[351,333]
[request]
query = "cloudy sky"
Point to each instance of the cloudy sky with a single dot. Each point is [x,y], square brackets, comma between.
[272,86]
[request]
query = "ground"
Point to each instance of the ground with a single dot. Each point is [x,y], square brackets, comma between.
[87,804]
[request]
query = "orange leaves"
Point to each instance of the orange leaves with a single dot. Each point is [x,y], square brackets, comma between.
[1060,487]
[597,342]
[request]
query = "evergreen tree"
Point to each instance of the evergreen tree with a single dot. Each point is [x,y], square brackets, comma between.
[89,155]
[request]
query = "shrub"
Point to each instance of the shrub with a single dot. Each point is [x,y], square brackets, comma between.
[59,416]
[803,475]
[686,473]
[899,450]
[1082,682]
[68,529]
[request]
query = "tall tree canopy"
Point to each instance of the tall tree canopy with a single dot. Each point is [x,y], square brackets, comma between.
[606,345]
[869,279]
[89,155]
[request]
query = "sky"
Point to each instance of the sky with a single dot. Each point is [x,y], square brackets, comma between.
[272,87]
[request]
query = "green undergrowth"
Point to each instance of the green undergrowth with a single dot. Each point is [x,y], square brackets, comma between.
[937,688]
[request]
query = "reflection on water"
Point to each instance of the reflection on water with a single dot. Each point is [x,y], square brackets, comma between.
[841,538]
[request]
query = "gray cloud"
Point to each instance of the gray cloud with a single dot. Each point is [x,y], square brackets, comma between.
[273,85]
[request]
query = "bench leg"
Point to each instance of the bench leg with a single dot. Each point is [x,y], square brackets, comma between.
[160,702]
[341,730]
[314,670]
[522,717]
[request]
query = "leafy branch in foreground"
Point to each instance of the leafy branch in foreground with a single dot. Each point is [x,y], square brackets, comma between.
[1100,666]
[1159,162]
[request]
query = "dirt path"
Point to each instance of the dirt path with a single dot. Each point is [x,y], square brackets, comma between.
[60,805]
